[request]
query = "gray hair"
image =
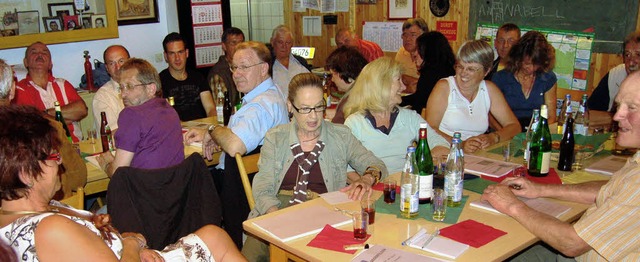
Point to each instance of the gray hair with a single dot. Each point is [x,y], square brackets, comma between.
[476,51]
[6,79]
[281,29]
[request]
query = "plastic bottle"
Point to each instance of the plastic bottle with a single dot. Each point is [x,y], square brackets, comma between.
[409,184]
[219,104]
[453,178]
[566,105]
[533,124]
[565,160]
[540,148]
[60,119]
[425,166]
[582,118]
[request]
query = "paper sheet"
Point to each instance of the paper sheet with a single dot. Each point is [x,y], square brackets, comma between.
[335,197]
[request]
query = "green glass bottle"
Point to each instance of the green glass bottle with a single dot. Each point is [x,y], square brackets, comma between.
[60,119]
[425,166]
[540,148]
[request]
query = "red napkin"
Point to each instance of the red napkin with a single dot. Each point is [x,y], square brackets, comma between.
[551,178]
[335,239]
[471,233]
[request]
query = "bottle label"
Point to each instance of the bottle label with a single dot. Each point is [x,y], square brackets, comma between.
[544,164]
[219,114]
[408,202]
[451,183]
[457,191]
[426,186]
[413,205]
[526,153]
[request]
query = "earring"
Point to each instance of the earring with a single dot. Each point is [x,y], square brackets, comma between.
[290,114]
[30,184]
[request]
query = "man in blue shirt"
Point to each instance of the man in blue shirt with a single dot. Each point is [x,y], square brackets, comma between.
[263,107]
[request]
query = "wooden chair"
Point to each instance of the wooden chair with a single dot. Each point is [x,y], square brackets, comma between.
[247,165]
[76,200]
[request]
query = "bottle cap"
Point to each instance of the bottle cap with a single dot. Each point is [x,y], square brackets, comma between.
[423,125]
[411,149]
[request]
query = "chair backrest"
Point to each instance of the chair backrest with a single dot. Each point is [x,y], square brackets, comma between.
[76,200]
[247,165]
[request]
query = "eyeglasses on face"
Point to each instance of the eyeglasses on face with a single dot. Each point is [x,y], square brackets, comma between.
[129,87]
[307,110]
[469,69]
[235,68]
[55,156]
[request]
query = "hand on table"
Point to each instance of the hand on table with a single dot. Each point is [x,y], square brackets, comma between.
[501,197]
[358,189]
[194,135]
[522,187]
[104,159]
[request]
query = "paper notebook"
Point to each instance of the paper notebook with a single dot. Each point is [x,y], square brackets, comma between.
[487,167]
[540,204]
[439,245]
[607,165]
[301,222]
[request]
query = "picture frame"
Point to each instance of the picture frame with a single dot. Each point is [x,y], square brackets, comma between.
[99,20]
[128,13]
[86,22]
[52,23]
[61,9]
[401,9]
[28,22]
[70,22]
[366,2]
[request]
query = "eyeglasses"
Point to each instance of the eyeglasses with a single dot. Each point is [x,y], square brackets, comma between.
[233,68]
[469,69]
[307,110]
[129,87]
[56,156]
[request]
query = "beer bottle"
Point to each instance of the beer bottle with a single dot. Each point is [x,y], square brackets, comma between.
[104,135]
[565,160]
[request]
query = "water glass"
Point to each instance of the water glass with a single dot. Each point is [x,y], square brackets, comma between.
[91,136]
[438,205]
[390,188]
[507,152]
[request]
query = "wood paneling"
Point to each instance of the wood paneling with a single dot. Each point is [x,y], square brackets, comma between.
[600,62]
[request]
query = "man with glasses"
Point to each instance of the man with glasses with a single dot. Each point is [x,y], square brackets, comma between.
[263,108]
[189,89]
[601,101]
[108,98]
[220,73]
[149,134]
[74,170]
[285,65]
[507,36]
[408,53]
[41,89]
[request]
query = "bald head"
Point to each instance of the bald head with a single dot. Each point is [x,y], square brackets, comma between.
[345,37]
[627,113]
[114,58]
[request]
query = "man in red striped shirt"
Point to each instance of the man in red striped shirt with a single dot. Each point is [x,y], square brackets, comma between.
[370,50]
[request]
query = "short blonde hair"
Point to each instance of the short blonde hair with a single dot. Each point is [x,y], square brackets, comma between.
[372,87]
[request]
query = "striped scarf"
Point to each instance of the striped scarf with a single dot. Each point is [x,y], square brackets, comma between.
[304,165]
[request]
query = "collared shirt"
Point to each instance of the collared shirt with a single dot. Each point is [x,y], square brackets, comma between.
[370,50]
[404,58]
[263,108]
[282,75]
[109,100]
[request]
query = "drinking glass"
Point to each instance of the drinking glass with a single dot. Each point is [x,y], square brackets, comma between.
[360,223]
[369,205]
[390,188]
[438,205]
[91,136]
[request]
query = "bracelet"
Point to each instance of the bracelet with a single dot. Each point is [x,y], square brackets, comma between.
[212,128]
[376,176]
[141,242]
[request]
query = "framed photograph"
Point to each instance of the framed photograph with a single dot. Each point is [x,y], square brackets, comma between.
[70,22]
[401,9]
[131,12]
[61,9]
[28,22]
[9,32]
[52,23]
[9,21]
[86,22]
[366,2]
[99,20]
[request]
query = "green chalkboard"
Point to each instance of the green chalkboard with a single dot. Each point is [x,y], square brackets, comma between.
[610,20]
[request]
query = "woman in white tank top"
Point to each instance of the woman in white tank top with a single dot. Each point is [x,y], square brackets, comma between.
[462,103]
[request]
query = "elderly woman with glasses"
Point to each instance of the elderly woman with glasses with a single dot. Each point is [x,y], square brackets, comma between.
[378,122]
[307,157]
[39,228]
[462,103]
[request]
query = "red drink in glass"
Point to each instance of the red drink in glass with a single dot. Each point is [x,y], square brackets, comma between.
[389,194]
[360,233]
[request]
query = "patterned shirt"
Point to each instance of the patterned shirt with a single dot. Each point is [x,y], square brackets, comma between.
[370,50]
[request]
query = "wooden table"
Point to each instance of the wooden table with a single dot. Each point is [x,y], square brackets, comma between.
[98,181]
[391,231]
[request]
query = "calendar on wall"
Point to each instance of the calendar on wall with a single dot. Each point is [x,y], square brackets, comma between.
[207,31]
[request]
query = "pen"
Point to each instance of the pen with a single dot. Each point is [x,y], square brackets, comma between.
[356,247]
[411,238]
[433,235]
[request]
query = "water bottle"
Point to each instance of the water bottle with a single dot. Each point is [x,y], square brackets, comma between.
[409,182]
[219,104]
[582,118]
[454,172]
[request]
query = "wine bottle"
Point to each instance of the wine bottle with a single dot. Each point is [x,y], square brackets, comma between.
[425,166]
[60,119]
[540,148]
[565,160]
[533,124]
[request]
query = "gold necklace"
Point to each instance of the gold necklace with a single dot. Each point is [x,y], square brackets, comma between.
[27,212]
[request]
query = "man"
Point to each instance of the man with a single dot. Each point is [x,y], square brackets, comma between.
[231,37]
[149,133]
[108,98]
[608,230]
[190,91]
[74,173]
[408,53]
[285,65]
[507,36]
[53,26]
[264,108]
[40,89]
[370,50]
[602,97]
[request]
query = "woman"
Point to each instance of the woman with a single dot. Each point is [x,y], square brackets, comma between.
[308,149]
[527,81]
[378,122]
[345,64]
[462,103]
[29,176]
[436,61]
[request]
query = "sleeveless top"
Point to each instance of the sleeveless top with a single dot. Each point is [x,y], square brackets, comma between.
[468,118]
